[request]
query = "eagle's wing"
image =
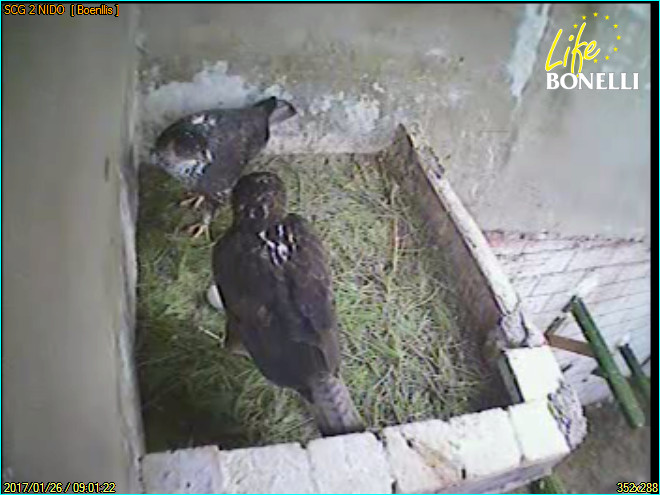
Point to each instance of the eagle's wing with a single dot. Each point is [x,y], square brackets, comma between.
[236,137]
[277,289]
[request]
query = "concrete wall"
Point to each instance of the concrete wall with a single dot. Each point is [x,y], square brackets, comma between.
[470,76]
[69,408]
[581,161]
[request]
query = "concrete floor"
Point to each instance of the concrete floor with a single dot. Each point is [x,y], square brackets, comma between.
[611,453]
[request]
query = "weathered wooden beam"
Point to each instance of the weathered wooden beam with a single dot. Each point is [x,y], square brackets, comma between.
[570,345]
[617,382]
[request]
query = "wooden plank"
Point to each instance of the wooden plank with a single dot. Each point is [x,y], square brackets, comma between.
[570,345]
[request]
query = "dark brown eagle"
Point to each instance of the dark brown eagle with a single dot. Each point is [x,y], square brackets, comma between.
[271,272]
[208,151]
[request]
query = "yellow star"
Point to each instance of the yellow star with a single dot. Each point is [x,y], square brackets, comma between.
[595,14]
[607,17]
[618,37]
[616,49]
[575,26]
[607,57]
[616,26]
[584,17]
[595,61]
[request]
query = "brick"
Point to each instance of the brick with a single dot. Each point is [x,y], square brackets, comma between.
[587,285]
[637,286]
[544,319]
[535,304]
[639,312]
[422,456]
[609,319]
[637,324]
[635,270]
[537,432]
[528,260]
[607,274]
[525,286]
[494,237]
[571,330]
[607,292]
[636,300]
[506,247]
[349,464]
[601,307]
[486,443]
[583,382]
[508,261]
[559,282]
[597,242]
[599,394]
[581,366]
[535,246]
[556,302]
[590,258]
[640,343]
[640,328]
[564,358]
[630,316]
[617,336]
[592,389]
[536,371]
[631,253]
[606,306]
[283,468]
[182,471]
[544,262]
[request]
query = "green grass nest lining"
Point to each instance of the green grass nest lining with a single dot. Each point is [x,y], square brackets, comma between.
[404,358]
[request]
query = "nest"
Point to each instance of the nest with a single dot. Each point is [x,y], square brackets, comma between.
[404,357]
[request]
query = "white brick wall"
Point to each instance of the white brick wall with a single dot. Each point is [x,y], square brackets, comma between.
[546,270]
[489,450]
[350,464]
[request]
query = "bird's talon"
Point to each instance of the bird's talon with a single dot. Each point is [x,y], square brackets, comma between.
[193,202]
[240,352]
[198,230]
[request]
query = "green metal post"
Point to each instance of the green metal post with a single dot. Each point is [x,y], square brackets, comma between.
[639,379]
[618,384]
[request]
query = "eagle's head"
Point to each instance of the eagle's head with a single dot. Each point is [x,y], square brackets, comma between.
[259,199]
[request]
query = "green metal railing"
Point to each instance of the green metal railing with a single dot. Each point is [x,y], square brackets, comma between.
[640,381]
[623,392]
